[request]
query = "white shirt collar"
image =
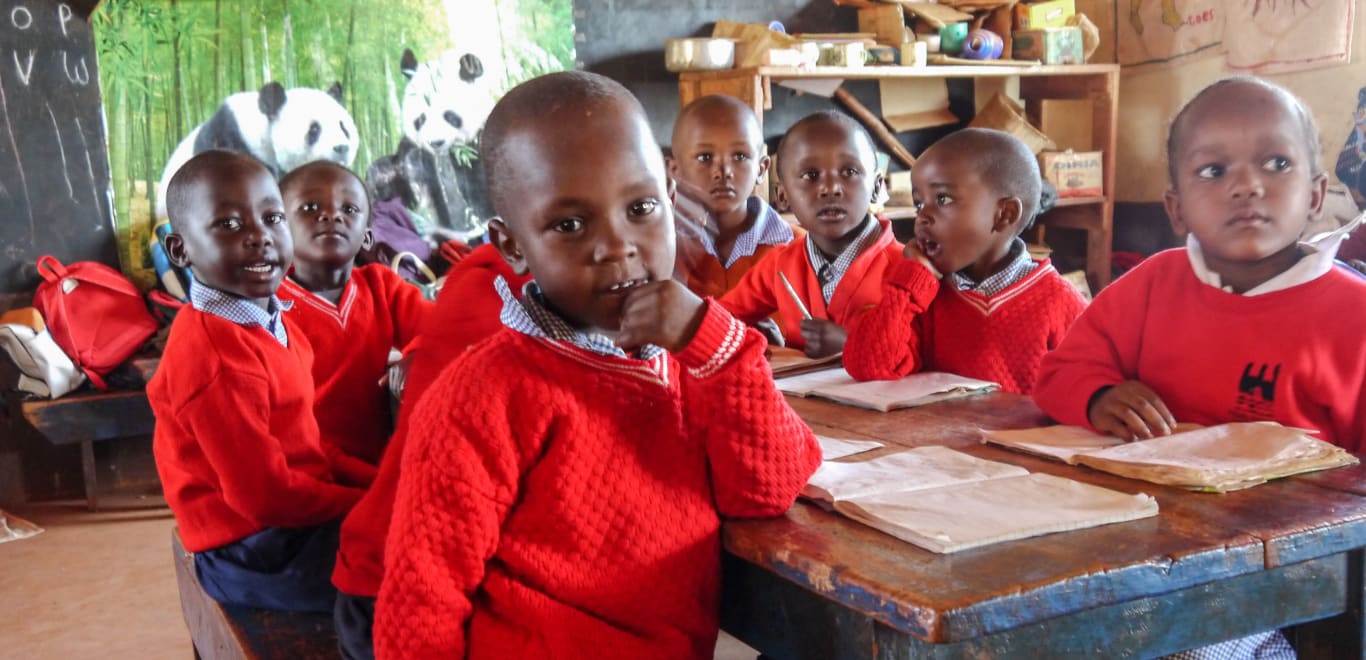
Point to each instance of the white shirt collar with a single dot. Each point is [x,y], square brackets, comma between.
[1321,251]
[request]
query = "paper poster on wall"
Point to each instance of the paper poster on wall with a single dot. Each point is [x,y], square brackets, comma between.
[1266,36]
[1154,31]
[397,90]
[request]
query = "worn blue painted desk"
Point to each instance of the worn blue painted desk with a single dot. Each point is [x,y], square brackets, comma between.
[812,584]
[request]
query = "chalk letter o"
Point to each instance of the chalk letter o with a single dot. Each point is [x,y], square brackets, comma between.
[15,13]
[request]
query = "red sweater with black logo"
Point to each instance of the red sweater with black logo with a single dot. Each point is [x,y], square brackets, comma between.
[351,339]
[1294,356]
[236,443]
[921,325]
[761,294]
[568,504]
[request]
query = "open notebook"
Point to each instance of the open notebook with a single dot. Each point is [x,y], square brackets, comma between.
[1214,458]
[945,500]
[914,390]
[790,361]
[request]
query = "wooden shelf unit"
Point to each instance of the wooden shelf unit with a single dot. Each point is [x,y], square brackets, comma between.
[1098,83]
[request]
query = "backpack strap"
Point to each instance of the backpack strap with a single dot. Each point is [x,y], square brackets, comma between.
[51,269]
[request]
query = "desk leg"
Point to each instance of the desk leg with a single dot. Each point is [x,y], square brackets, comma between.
[88,474]
[1344,635]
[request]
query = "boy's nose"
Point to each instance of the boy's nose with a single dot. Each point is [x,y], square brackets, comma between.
[615,242]
[723,170]
[255,235]
[831,189]
[1246,182]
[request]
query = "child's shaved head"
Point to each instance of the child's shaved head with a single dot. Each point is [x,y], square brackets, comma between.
[719,107]
[547,101]
[827,116]
[1242,86]
[1002,161]
[180,192]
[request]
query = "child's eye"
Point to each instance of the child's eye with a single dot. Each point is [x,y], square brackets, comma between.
[1210,172]
[351,209]
[568,225]
[230,224]
[703,158]
[1276,164]
[644,207]
[849,172]
[274,218]
[918,204]
[943,199]
[740,158]
[809,175]
[310,207]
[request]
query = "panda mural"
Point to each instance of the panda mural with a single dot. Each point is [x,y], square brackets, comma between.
[445,105]
[281,128]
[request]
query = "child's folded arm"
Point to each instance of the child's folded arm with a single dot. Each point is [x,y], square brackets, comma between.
[884,342]
[761,454]
[752,300]
[349,470]
[460,475]
[249,461]
[1100,350]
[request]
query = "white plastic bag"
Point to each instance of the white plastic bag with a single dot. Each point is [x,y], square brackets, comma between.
[44,370]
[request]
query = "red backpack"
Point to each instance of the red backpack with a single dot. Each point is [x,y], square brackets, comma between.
[94,314]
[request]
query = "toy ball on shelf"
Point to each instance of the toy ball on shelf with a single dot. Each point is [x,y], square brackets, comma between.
[951,38]
[982,45]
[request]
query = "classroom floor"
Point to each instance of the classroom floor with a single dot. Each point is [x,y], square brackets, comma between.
[101,585]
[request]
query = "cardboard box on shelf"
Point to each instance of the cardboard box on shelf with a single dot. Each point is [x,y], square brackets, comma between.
[1040,15]
[1074,173]
[1062,45]
[887,22]
[1067,121]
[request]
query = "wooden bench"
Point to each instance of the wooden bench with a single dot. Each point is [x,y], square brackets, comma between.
[241,633]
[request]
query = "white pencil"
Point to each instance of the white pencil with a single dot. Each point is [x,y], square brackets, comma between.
[793,292]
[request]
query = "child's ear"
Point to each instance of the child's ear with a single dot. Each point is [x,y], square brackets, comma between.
[1318,193]
[507,246]
[780,197]
[878,182]
[671,185]
[1009,213]
[671,164]
[764,162]
[1171,202]
[175,250]
[367,242]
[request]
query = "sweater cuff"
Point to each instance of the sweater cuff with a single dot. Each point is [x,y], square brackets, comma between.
[718,339]
[912,276]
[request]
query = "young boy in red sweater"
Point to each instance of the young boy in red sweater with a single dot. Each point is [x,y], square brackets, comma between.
[613,423]
[1245,323]
[717,159]
[236,443]
[828,175]
[467,311]
[965,297]
[352,316]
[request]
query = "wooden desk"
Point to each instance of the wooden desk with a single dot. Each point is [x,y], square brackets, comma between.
[87,418]
[812,584]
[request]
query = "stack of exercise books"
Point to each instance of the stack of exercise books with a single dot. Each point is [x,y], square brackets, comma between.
[917,389]
[945,500]
[1214,458]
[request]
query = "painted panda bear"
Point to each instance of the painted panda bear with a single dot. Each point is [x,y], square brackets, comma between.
[445,105]
[281,128]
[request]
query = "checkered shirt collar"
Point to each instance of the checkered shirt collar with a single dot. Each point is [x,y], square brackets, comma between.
[768,229]
[530,316]
[238,310]
[829,273]
[1019,266]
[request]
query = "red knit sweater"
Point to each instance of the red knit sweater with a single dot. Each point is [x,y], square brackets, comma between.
[1294,356]
[236,444]
[568,504]
[760,293]
[922,326]
[467,311]
[351,340]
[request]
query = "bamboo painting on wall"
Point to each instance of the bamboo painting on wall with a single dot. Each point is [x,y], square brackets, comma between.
[384,86]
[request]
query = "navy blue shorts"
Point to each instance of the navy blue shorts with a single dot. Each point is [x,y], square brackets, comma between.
[354,617]
[274,569]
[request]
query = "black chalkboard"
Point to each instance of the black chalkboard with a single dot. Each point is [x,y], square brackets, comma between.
[54,167]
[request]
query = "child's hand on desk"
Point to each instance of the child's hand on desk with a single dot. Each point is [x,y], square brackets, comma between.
[913,251]
[664,313]
[1131,410]
[822,337]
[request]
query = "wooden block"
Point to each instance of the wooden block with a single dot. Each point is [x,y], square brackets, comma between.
[886,22]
